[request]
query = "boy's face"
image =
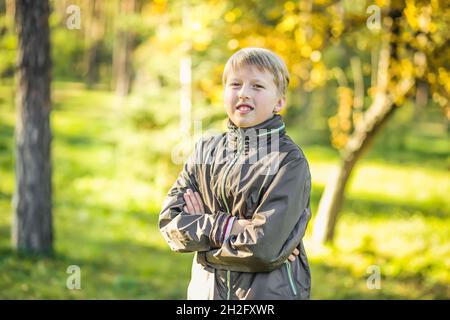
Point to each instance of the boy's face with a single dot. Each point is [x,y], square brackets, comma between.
[251,96]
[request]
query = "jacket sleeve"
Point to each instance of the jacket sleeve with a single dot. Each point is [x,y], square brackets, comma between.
[186,232]
[278,225]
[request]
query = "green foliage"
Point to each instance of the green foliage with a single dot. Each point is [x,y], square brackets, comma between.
[110,176]
[113,159]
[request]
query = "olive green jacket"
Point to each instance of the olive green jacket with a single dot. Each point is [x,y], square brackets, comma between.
[255,173]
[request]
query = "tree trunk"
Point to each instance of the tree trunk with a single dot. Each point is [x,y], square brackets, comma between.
[32,228]
[331,201]
[94,34]
[123,48]
[365,131]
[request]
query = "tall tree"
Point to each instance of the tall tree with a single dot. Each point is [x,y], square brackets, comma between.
[32,225]
[94,33]
[123,48]
[409,58]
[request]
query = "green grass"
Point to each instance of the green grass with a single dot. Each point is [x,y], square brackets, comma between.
[109,184]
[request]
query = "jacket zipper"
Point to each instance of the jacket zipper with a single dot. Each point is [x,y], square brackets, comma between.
[227,170]
[240,147]
[291,281]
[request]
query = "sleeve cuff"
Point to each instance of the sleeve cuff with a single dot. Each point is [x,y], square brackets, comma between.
[228,227]
[219,229]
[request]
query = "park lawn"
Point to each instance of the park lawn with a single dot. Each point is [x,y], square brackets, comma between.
[396,217]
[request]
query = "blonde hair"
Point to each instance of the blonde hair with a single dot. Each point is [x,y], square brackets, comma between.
[263,59]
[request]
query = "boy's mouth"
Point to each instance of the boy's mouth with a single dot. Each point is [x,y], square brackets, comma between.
[244,108]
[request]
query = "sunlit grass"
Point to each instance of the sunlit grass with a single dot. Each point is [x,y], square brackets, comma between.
[108,188]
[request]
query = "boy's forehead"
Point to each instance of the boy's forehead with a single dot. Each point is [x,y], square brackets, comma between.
[250,71]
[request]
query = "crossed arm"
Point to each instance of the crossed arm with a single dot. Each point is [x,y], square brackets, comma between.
[194,205]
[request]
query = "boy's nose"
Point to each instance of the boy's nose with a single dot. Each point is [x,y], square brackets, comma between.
[243,94]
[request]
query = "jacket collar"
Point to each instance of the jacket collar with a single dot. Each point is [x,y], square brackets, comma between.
[251,137]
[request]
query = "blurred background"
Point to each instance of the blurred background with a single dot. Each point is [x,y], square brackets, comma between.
[135,83]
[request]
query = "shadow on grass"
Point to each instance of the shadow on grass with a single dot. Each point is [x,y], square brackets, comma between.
[115,270]
[129,270]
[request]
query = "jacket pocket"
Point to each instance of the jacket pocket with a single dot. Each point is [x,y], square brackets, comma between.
[290,277]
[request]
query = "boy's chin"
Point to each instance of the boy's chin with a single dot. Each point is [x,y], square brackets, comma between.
[245,123]
[242,122]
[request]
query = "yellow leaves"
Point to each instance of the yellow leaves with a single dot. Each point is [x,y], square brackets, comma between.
[422,41]
[339,140]
[288,24]
[232,15]
[301,70]
[233,44]
[372,91]
[281,46]
[315,56]
[341,124]
[318,75]
[212,90]
[419,18]
[283,111]
[274,13]
[357,118]
[345,99]
[236,28]
[382,3]
[201,42]
[316,41]
[229,17]
[305,51]
[444,78]
[157,7]
[443,102]
[289,6]
[410,12]
[431,78]
[403,68]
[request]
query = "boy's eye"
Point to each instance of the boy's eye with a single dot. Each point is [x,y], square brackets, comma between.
[234,84]
[259,86]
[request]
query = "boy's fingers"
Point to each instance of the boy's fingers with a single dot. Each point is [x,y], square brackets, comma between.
[200,202]
[291,258]
[194,201]
[296,252]
[189,203]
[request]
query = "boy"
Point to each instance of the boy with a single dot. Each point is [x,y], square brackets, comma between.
[241,201]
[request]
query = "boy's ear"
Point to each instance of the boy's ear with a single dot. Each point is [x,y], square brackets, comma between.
[281,103]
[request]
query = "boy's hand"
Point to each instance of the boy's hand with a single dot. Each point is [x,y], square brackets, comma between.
[293,255]
[194,203]
[239,226]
